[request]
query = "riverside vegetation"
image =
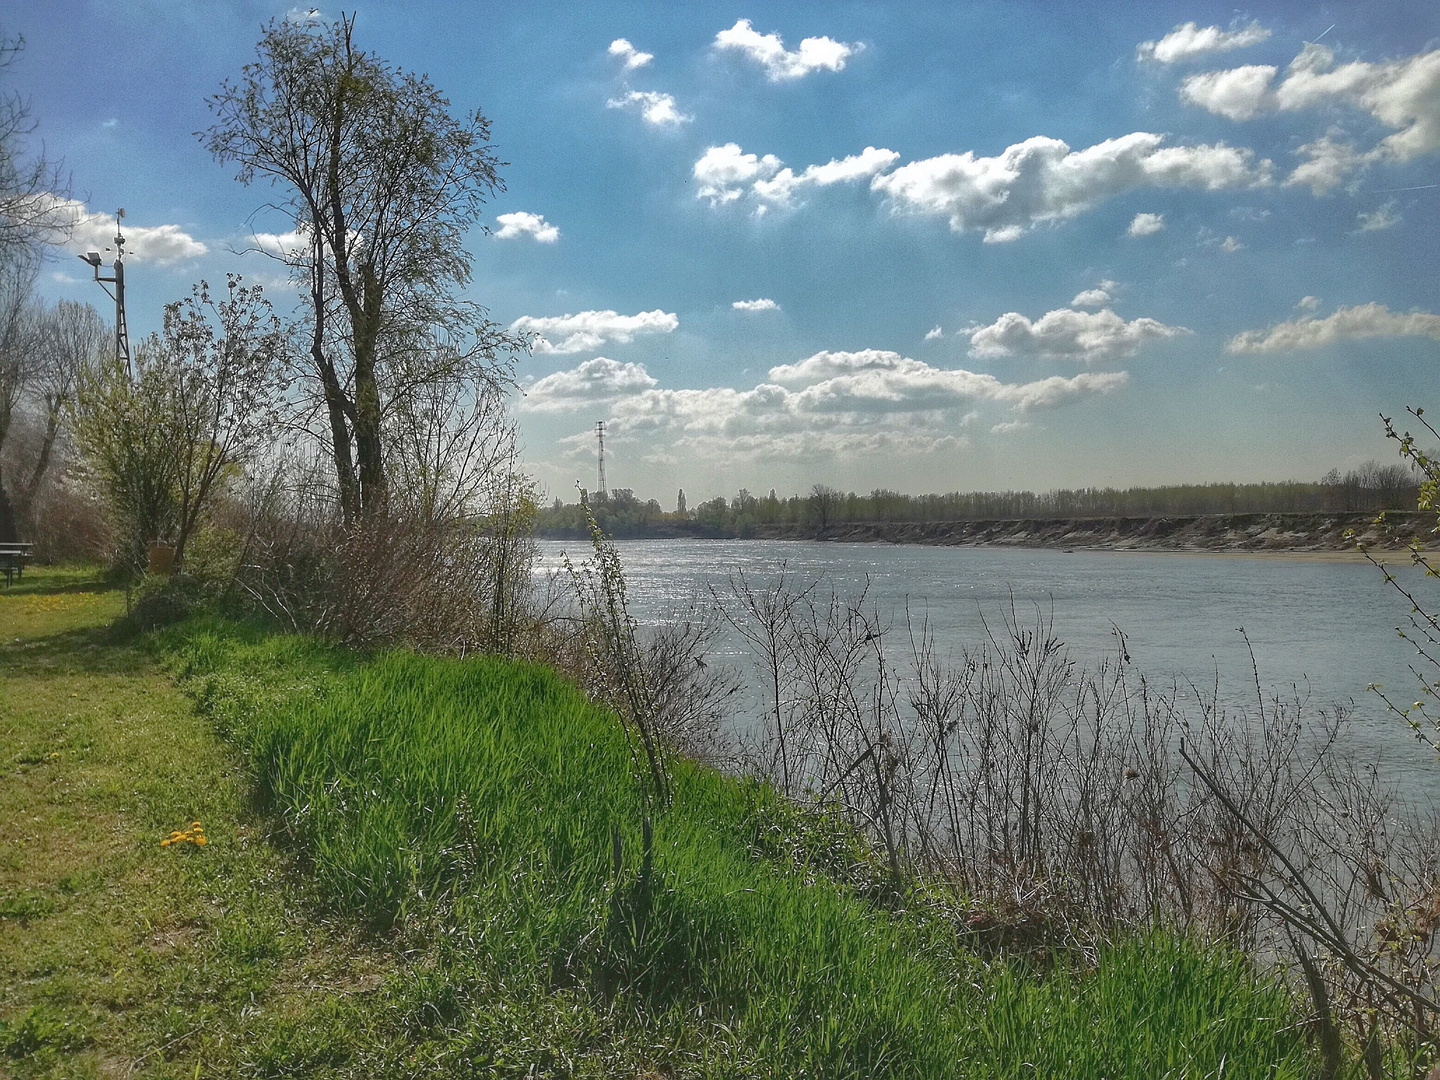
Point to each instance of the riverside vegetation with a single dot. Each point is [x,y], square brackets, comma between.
[460,885]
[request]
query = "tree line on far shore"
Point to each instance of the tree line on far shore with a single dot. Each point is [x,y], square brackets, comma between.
[1370,488]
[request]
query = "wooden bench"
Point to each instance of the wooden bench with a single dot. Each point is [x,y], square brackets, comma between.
[13,558]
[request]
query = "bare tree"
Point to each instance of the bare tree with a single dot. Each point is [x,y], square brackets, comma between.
[32,189]
[381,183]
[72,339]
[20,337]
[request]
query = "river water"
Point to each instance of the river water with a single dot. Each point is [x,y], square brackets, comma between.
[1320,627]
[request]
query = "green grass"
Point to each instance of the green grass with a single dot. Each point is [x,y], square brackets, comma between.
[117,956]
[467,810]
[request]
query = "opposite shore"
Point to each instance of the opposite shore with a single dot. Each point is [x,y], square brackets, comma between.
[1320,534]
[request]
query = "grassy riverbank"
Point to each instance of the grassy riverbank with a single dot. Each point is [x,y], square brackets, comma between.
[412,867]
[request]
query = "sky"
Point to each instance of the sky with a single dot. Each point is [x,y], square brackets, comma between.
[940,247]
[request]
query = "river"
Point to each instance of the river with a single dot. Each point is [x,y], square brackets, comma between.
[1322,627]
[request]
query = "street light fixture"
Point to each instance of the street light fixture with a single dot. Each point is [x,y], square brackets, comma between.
[117,278]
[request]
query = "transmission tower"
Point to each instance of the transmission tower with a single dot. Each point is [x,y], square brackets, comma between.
[600,441]
[117,278]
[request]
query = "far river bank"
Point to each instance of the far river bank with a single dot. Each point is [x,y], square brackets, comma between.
[1319,534]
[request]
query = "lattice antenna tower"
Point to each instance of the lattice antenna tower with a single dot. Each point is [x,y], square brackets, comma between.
[600,443]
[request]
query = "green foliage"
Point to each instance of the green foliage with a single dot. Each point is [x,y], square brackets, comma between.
[161,438]
[487,806]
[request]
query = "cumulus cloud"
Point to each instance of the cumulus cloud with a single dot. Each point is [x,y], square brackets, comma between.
[654,107]
[867,401]
[762,304]
[632,57]
[781,187]
[934,333]
[725,173]
[1086,336]
[1382,217]
[780,64]
[1403,95]
[592,382]
[1346,324]
[519,224]
[1146,224]
[1308,303]
[1230,245]
[90,231]
[1239,93]
[722,172]
[1188,41]
[1099,296]
[1042,180]
[591,329]
[284,245]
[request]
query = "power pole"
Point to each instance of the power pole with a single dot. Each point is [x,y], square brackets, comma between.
[600,440]
[122,331]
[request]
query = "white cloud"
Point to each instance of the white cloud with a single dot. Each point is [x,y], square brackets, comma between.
[1239,93]
[114,121]
[767,50]
[632,56]
[63,278]
[1308,303]
[594,381]
[304,16]
[1146,224]
[1403,95]
[654,107]
[158,244]
[591,329]
[762,304]
[832,403]
[1328,162]
[1038,181]
[1188,41]
[1346,324]
[280,245]
[1382,217]
[1097,297]
[1010,427]
[1042,180]
[725,173]
[1086,336]
[780,188]
[1230,245]
[934,333]
[518,224]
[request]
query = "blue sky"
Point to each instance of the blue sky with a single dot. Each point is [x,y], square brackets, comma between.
[971,245]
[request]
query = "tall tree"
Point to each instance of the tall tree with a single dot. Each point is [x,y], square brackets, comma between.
[20,338]
[382,184]
[72,340]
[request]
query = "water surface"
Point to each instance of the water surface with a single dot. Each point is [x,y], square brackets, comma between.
[1324,628]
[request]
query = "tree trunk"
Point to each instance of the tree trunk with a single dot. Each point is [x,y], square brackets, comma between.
[25,499]
[334,393]
[368,447]
[8,533]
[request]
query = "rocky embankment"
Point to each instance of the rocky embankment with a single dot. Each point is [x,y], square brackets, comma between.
[1201,532]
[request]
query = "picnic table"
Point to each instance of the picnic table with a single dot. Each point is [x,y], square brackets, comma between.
[13,558]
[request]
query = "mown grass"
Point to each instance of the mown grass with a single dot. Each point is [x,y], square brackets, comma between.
[119,957]
[469,810]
